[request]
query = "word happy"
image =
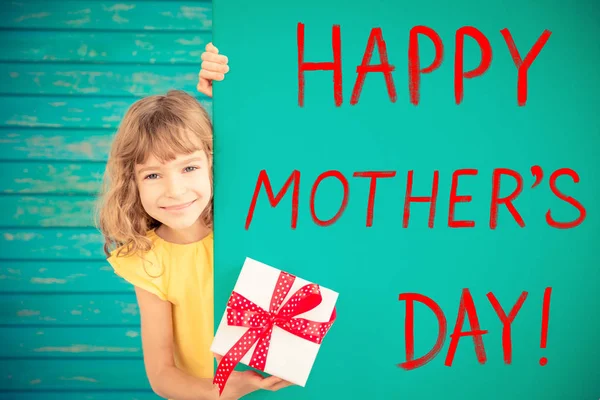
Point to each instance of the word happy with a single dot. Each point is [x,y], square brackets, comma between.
[415,70]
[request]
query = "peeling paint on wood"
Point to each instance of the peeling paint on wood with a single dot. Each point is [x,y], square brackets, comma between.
[54,310]
[68,111]
[31,16]
[82,348]
[111,15]
[97,112]
[59,211]
[27,46]
[51,178]
[78,378]
[27,313]
[60,276]
[131,309]
[73,374]
[60,342]
[81,394]
[19,144]
[49,245]
[48,281]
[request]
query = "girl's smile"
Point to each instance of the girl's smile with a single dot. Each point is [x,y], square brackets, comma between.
[179,207]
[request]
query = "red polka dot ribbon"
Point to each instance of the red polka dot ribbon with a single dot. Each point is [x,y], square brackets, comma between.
[243,312]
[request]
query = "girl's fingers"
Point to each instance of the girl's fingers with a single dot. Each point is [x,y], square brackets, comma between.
[204,86]
[214,67]
[253,375]
[216,58]
[211,48]
[213,76]
[269,382]
[280,385]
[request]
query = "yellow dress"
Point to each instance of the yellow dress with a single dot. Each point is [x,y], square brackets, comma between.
[183,275]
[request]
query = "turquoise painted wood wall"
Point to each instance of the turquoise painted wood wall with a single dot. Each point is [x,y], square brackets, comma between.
[68,71]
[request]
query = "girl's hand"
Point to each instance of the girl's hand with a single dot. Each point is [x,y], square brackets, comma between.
[241,383]
[214,67]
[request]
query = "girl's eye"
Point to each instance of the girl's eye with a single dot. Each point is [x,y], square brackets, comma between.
[190,169]
[152,176]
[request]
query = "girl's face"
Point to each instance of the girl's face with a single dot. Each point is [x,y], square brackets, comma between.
[177,192]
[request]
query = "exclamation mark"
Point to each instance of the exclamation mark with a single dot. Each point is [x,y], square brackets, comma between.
[545,317]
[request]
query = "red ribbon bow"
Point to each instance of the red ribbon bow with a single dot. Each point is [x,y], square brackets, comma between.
[243,312]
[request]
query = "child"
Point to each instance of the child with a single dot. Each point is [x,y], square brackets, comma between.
[156,217]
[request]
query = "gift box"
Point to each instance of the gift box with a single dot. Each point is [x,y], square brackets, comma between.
[274,322]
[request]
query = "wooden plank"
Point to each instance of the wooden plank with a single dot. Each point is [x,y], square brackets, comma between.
[68,112]
[80,395]
[72,178]
[96,79]
[72,374]
[55,144]
[106,15]
[51,244]
[103,47]
[60,276]
[51,211]
[70,342]
[60,309]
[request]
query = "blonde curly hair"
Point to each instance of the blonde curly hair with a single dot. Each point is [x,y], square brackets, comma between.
[164,126]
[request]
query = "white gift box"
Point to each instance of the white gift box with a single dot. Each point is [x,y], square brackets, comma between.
[290,357]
